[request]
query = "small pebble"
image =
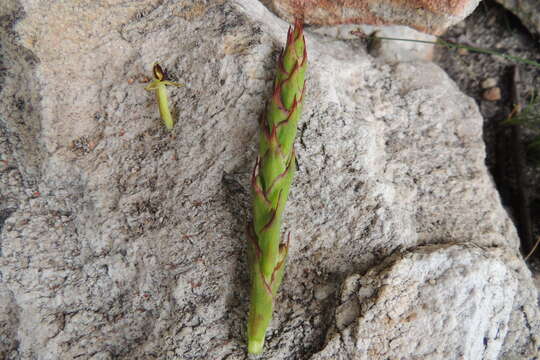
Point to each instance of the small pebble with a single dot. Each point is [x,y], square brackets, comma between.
[463,51]
[489,83]
[322,292]
[461,24]
[492,94]
[3,165]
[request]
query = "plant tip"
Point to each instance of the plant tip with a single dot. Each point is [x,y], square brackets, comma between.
[158,72]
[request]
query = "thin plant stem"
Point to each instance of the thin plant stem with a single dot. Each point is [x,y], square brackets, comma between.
[533,249]
[452,45]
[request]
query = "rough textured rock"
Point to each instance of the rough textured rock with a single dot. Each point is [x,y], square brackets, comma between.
[432,16]
[528,11]
[120,240]
[388,50]
[400,51]
[460,295]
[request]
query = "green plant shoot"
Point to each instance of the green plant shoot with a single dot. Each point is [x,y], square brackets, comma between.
[158,85]
[271,181]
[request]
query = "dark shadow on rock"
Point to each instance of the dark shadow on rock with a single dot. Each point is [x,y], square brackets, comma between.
[237,199]
[20,100]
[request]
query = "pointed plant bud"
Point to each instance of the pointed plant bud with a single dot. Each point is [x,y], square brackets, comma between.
[271,181]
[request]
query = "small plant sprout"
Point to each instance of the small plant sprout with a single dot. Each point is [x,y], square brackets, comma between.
[158,85]
[271,182]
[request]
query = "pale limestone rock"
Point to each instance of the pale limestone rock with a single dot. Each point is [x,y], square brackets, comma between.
[404,47]
[397,47]
[122,241]
[437,302]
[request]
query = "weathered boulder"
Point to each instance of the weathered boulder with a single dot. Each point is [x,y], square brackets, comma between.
[528,11]
[431,16]
[121,240]
[437,302]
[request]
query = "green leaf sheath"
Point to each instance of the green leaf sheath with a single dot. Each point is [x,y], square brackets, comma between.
[271,181]
[163,103]
[158,85]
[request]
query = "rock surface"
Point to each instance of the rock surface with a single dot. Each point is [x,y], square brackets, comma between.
[388,50]
[462,295]
[432,16]
[122,241]
[528,11]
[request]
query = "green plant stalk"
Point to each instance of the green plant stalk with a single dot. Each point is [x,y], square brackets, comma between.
[158,85]
[271,181]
